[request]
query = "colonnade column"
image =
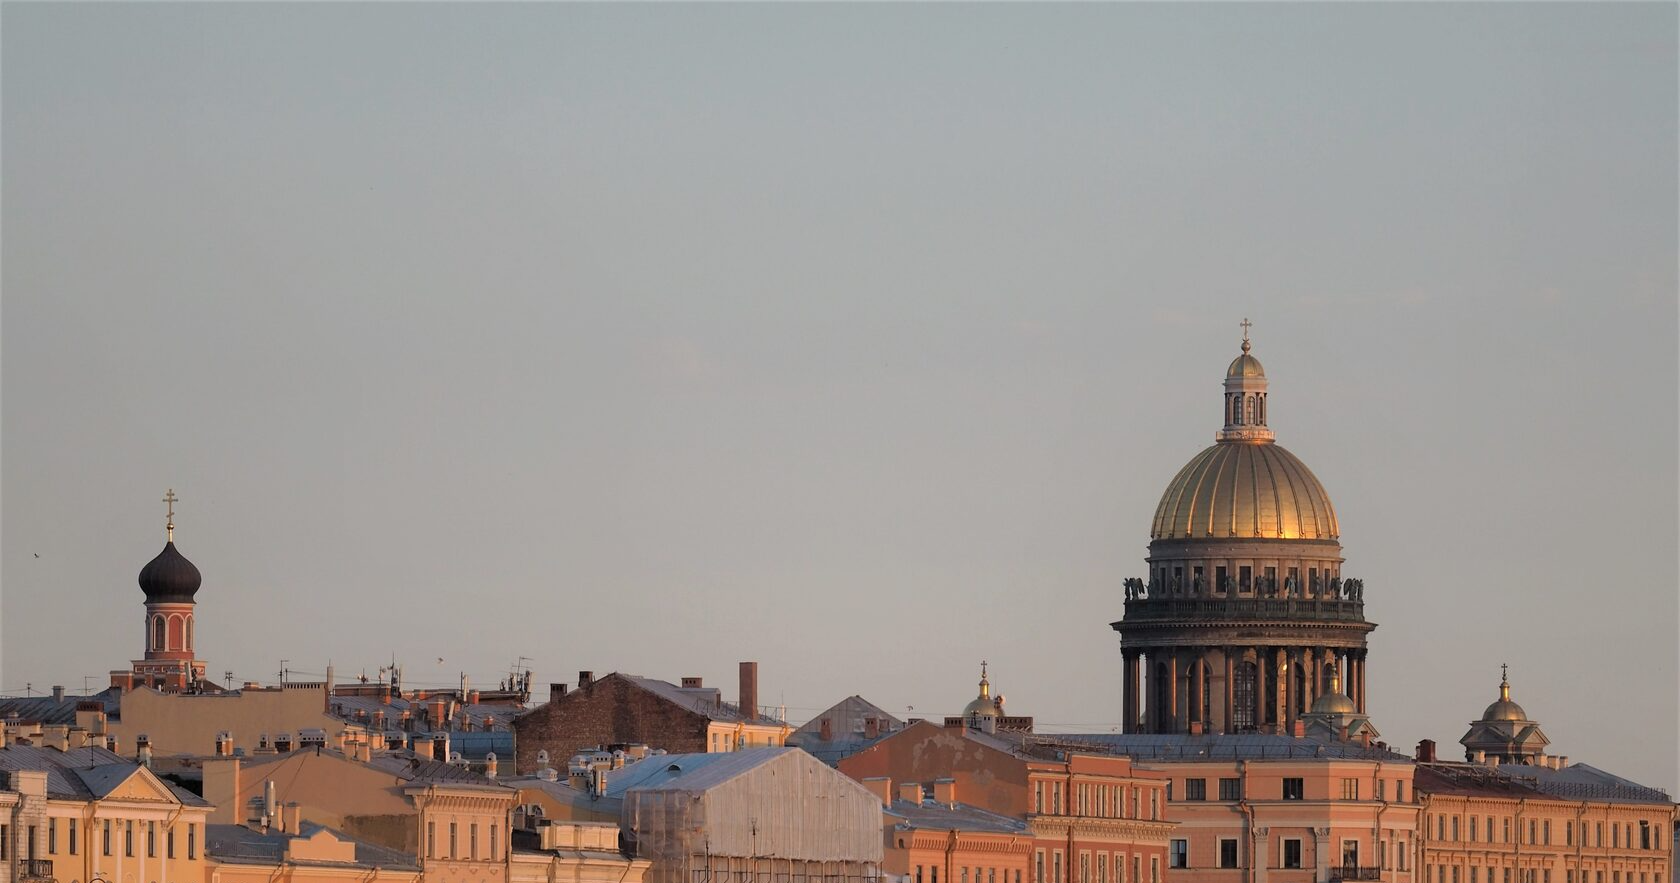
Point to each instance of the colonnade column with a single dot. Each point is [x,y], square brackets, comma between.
[1129,690]
[1151,693]
[1198,688]
[1291,702]
[1230,690]
[1172,721]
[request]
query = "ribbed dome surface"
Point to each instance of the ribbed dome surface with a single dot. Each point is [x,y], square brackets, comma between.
[1245,365]
[1245,491]
[1504,710]
[170,577]
[1334,703]
[981,707]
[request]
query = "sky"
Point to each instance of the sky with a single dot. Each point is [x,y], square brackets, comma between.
[857,340]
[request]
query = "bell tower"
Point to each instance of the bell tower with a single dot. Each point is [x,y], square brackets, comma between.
[170,581]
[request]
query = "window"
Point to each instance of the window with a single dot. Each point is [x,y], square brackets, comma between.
[1568,835]
[73,844]
[1350,791]
[169,842]
[431,840]
[1546,832]
[5,838]
[1292,853]
[472,841]
[1056,798]
[1195,789]
[1038,867]
[1154,869]
[453,827]
[1179,856]
[1472,829]
[1057,866]
[1038,797]
[1245,578]
[1084,868]
[1399,790]
[1455,827]
[1507,830]
[1382,792]
[1644,833]
[1294,789]
[1230,789]
[493,841]
[1227,852]
[151,840]
[52,836]
[1102,867]
[1350,854]
[1532,826]
[192,842]
[128,838]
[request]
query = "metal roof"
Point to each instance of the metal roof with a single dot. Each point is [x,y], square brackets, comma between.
[930,814]
[237,844]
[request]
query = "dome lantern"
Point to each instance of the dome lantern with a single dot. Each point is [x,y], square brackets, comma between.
[1245,397]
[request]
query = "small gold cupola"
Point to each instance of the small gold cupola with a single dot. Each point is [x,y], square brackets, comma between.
[1245,397]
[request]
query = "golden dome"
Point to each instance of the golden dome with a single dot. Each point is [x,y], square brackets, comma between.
[1504,709]
[1245,490]
[1245,365]
[1334,703]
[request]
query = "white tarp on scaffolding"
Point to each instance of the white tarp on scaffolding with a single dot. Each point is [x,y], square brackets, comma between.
[768,803]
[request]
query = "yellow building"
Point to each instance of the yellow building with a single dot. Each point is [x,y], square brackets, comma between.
[88,815]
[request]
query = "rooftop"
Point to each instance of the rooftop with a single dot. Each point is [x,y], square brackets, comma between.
[237,844]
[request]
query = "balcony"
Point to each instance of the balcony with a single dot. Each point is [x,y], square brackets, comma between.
[1214,609]
[1352,873]
[35,869]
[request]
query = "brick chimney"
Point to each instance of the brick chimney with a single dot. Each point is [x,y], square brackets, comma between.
[827,730]
[749,690]
[555,691]
[945,791]
[1426,751]
[910,792]
[423,748]
[585,678]
[871,727]
[881,787]
[693,683]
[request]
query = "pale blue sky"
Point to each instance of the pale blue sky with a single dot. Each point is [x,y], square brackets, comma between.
[859,340]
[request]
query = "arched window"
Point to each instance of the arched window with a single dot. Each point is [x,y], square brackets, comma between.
[157,633]
[189,633]
[1248,415]
[1236,410]
[1260,404]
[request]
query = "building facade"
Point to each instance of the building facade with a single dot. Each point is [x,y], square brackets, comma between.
[1245,608]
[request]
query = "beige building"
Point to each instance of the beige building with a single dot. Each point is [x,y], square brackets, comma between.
[454,822]
[572,852]
[88,815]
[251,720]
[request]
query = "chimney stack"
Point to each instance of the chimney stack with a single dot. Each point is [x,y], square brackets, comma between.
[881,787]
[143,750]
[693,683]
[423,749]
[585,678]
[490,765]
[945,791]
[827,731]
[871,727]
[910,792]
[749,690]
[555,691]
[58,693]
[292,820]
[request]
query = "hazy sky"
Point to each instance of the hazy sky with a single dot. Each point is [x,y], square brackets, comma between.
[859,340]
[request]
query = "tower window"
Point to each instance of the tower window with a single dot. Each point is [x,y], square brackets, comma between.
[1245,578]
[157,633]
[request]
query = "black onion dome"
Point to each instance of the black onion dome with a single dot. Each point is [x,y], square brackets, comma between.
[170,577]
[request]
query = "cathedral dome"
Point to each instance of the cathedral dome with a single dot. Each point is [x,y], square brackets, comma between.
[980,707]
[170,577]
[1504,710]
[1244,490]
[1334,703]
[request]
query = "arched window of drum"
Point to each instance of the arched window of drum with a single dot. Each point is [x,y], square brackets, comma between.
[1248,414]
[1260,404]
[189,634]
[157,633]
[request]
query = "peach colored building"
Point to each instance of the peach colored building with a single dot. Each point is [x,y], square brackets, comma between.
[1292,819]
[930,837]
[1090,818]
[1537,824]
[311,854]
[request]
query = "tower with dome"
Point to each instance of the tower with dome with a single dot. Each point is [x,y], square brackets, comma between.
[169,581]
[1245,613]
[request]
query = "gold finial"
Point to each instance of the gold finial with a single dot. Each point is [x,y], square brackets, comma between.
[169,525]
[985,685]
[1335,679]
[1504,682]
[1245,326]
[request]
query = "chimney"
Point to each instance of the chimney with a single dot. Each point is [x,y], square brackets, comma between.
[271,808]
[440,714]
[749,690]
[143,750]
[827,733]
[555,691]
[58,693]
[364,751]
[292,819]
[472,697]
[692,683]
[585,678]
[598,786]
[1562,761]
[80,738]
[379,720]
[871,727]
[57,736]
[910,792]
[945,791]
[490,765]
[1298,728]
[90,716]
[423,749]
[881,787]
[1478,756]
[440,746]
